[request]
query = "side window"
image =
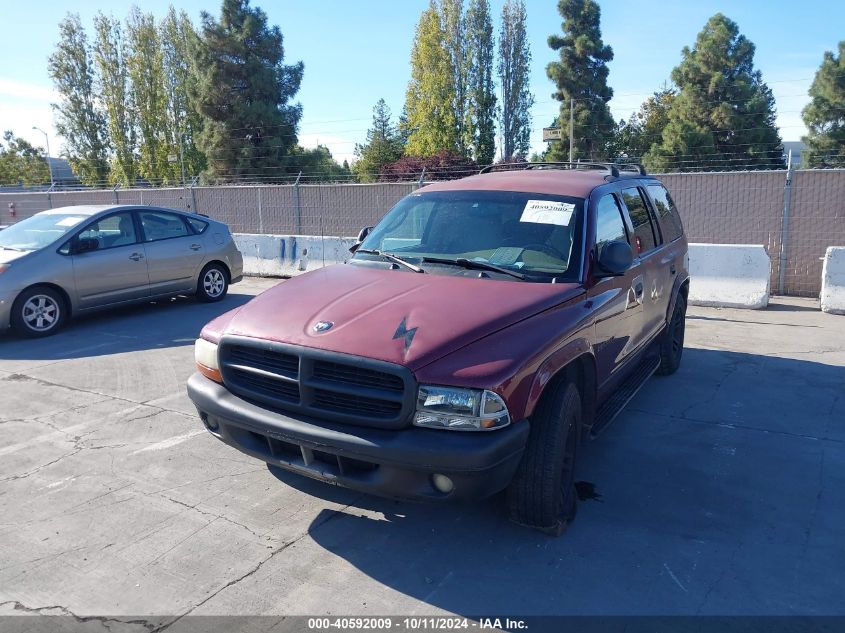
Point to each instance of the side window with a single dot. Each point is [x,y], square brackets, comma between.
[161,226]
[644,235]
[198,225]
[609,223]
[114,230]
[667,215]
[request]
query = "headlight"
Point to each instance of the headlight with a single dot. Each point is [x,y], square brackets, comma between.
[205,355]
[459,409]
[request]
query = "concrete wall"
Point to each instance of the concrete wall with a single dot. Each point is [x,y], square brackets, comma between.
[833,281]
[288,255]
[729,275]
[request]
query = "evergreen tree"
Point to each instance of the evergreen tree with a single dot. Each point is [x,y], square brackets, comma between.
[318,165]
[824,116]
[384,145]
[147,89]
[724,115]
[110,55]
[581,74]
[514,60]
[78,116]
[429,100]
[21,163]
[243,92]
[644,128]
[481,127]
[184,123]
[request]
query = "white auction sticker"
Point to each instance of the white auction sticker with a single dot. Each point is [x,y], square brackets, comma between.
[70,221]
[547,212]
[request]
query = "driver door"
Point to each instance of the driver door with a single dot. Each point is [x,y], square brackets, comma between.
[115,271]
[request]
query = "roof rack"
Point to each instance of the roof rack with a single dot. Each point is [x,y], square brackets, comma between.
[612,169]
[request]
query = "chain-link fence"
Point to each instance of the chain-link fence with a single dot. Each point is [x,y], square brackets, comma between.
[758,207]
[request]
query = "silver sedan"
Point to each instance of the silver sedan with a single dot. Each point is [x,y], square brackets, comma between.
[73,260]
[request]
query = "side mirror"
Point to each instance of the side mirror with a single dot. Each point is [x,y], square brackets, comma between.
[614,259]
[86,245]
[362,235]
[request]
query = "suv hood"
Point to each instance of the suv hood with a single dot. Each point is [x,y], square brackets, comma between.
[391,315]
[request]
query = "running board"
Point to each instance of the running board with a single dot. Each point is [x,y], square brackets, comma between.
[623,394]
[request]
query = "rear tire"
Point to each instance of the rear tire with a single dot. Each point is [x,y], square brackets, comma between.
[38,311]
[213,283]
[672,343]
[542,494]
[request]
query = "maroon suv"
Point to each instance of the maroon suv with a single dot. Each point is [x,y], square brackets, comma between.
[480,331]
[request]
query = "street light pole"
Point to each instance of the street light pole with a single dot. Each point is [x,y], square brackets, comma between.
[49,164]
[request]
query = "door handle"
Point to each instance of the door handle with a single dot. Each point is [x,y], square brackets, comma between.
[196,247]
[136,257]
[672,269]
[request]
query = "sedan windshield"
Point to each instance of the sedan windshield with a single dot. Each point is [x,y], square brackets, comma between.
[537,235]
[38,231]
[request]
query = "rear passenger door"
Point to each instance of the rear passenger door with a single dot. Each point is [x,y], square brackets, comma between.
[657,283]
[174,252]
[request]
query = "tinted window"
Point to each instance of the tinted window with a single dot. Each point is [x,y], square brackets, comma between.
[162,226]
[609,224]
[667,215]
[198,225]
[637,209]
[114,230]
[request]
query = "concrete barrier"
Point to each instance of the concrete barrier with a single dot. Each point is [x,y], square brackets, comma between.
[288,255]
[729,275]
[833,280]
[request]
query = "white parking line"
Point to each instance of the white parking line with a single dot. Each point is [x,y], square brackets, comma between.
[171,441]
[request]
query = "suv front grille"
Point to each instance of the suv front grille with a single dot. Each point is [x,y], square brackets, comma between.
[318,383]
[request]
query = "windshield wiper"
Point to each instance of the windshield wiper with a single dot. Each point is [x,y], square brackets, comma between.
[11,248]
[392,258]
[473,263]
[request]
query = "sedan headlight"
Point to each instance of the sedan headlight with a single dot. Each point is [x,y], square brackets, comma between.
[459,409]
[205,355]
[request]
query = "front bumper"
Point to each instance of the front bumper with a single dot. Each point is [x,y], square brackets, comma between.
[377,461]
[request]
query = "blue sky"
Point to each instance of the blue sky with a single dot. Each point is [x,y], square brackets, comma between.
[356,52]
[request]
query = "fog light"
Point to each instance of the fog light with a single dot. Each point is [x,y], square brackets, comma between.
[442,483]
[210,423]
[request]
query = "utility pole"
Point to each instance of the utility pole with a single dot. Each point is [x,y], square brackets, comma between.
[571,126]
[49,164]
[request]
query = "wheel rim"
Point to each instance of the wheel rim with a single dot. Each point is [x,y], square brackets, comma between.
[213,283]
[678,332]
[41,313]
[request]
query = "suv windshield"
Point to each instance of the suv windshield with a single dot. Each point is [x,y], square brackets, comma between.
[38,231]
[534,234]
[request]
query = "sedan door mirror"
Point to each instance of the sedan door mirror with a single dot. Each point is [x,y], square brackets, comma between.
[86,245]
[362,235]
[614,259]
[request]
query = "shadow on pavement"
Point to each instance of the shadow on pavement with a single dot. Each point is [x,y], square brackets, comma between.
[717,487]
[164,323]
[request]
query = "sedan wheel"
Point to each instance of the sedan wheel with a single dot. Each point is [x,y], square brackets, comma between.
[38,312]
[213,283]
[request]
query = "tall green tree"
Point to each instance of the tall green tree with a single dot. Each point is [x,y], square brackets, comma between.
[481,91]
[724,114]
[184,122]
[454,24]
[644,128]
[243,92]
[113,76]
[384,145]
[20,162]
[318,165]
[581,75]
[514,62]
[824,116]
[429,99]
[147,89]
[79,118]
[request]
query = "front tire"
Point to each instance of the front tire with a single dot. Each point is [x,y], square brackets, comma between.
[213,283]
[38,311]
[672,344]
[542,494]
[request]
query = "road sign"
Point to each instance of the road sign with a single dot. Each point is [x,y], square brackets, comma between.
[172,158]
[552,134]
